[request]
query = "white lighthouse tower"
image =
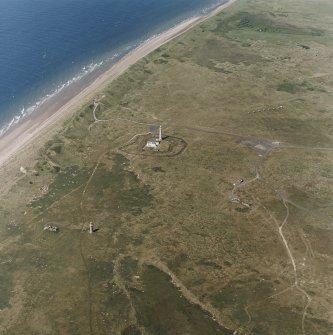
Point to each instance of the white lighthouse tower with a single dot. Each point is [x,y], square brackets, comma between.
[160,134]
[91,228]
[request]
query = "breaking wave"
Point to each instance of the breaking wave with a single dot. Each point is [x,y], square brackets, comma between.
[86,70]
[26,111]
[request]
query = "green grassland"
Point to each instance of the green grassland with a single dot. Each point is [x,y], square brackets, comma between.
[181,246]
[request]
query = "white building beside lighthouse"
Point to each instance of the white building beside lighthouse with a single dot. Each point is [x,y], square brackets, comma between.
[155,142]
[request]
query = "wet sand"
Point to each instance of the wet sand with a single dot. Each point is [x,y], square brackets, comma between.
[21,144]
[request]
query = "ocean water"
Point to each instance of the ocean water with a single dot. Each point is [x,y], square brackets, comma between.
[47,45]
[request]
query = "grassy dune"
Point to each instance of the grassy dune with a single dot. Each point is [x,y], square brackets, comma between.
[181,245]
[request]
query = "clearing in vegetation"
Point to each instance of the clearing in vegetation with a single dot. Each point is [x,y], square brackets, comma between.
[227,229]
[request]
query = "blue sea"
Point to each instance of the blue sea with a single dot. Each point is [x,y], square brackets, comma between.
[46,45]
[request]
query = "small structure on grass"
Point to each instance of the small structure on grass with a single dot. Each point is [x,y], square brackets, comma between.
[155,142]
[51,228]
[91,228]
[152,144]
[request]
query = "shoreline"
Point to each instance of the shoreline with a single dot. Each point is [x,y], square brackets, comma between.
[44,124]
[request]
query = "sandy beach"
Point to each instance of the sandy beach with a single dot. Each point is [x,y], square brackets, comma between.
[19,147]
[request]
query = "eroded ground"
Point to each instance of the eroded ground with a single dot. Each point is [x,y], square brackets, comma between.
[226,230]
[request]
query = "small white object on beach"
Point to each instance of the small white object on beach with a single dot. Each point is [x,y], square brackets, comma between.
[23,170]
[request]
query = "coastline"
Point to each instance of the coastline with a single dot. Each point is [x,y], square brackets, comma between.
[226,224]
[20,146]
